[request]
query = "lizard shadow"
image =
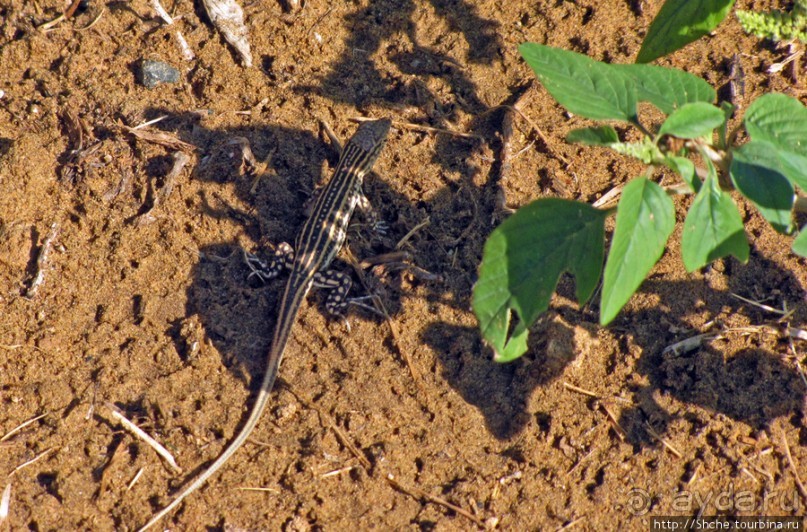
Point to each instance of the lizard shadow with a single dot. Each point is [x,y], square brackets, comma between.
[236,311]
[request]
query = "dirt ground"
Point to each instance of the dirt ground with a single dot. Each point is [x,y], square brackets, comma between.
[144,301]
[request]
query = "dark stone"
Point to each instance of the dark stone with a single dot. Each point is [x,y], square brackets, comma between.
[152,73]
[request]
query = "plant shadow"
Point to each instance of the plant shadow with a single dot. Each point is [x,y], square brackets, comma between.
[752,385]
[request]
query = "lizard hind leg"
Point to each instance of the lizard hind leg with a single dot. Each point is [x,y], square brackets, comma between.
[339,284]
[268,270]
[336,302]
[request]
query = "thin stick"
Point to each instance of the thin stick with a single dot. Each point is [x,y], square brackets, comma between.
[541,135]
[608,197]
[95,21]
[426,221]
[417,493]
[117,453]
[187,53]
[614,422]
[149,123]
[13,431]
[337,472]
[161,12]
[41,261]
[688,344]
[574,388]
[333,426]
[267,490]
[335,142]
[425,129]
[798,365]
[140,433]
[662,440]
[761,305]
[570,524]
[5,503]
[48,25]
[163,138]
[793,468]
[694,474]
[32,461]
[72,9]
[180,160]
[386,258]
[135,479]
[794,332]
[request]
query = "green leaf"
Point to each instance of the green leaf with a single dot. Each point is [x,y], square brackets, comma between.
[522,262]
[582,85]
[667,88]
[678,23]
[593,136]
[800,242]
[757,174]
[686,169]
[693,120]
[713,228]
[645,218]
[782,121]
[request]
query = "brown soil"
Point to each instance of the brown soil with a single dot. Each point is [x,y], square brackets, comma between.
[158,318]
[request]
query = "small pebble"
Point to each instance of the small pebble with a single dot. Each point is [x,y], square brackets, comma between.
[152,73]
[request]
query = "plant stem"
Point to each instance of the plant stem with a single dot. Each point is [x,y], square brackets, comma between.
[643,129]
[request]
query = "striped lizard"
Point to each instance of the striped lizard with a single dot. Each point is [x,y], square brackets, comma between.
[318,241]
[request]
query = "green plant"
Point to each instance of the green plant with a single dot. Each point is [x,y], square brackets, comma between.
[777,25]
[678,23]
[525,256]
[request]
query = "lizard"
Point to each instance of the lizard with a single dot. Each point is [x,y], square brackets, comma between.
[318,241]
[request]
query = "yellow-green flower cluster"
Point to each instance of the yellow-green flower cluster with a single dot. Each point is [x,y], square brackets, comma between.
[777,25]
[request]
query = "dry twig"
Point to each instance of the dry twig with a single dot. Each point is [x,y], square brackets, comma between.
[228,17]
[180,160]
[614,421]
[161,12]
[42,260]
[793,468]
[424,223]
[140,433]
[15,430]
[135,479]
[162,138]
[33,460]
[5,503]
[425,129]
[577,389]
[418,493]
[663,441]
